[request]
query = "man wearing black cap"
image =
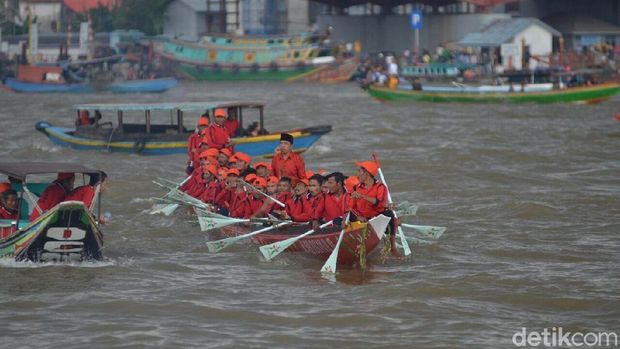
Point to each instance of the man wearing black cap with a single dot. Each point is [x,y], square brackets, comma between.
[287,163]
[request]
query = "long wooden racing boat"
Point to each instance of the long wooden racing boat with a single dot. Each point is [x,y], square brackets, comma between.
[359,241]
[67,232]
[588,94]
[153,137]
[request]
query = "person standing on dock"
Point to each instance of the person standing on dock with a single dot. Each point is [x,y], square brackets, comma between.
[287,163]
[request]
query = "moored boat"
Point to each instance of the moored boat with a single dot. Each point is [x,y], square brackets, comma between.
[67,232]
[359,240]
[170,137]
[587,94]
[142,86]
[245,58]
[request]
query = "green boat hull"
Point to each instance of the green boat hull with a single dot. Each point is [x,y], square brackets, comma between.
[207,74]
[579,94]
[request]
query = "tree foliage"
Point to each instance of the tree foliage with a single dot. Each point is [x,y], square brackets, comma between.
[146,16]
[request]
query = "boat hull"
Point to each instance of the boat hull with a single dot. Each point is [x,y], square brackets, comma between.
[265,74]
[32,87]
[359,240]
[68,232]
[579,94]
[253,146]
[143,86]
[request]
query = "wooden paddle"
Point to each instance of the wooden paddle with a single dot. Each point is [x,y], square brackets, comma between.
[272,250]
[216,246]
[401,235]
[430,231]
[332,261]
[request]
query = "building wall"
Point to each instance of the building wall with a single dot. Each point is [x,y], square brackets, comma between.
[46,14]
[394,33]
[181,20]
[540,42]
[298,16]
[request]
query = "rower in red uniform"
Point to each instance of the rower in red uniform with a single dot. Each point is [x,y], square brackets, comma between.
[8,204]
[263,169]
[287,163]
[217,135]
[86,193]
[209,175]
[256,200]
[224,198]
[242,163]
[194,140]
[334,204]
[369,197]
[53,194]
[298,208]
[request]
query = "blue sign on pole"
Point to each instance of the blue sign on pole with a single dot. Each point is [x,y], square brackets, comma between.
[416,20]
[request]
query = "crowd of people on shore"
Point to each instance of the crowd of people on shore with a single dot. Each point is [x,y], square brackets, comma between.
[235,186]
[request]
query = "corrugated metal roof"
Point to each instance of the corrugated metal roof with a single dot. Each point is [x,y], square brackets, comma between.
[502,31]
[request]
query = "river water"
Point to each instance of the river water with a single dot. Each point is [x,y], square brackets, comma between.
[530,195]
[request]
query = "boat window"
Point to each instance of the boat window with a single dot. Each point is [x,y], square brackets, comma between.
[270,41]
[280,41]
[296,54]
[228,41]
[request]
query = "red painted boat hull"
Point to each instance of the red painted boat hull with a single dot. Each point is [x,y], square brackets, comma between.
[319,245]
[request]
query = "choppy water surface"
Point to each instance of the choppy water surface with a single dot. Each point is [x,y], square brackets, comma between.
[530,194]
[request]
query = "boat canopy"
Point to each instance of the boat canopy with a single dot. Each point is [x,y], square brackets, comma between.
[184,106]
[19,170]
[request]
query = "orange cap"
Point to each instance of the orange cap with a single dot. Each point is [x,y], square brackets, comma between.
[243,157]
[304,181]
[264,164]
[226,152]
[250,177]
[273,179]
[211,169]
[232,171]
[4,187]
[309,174]
[260,182]
[203,121]
[232,159]
[220,113]
[351,182]
[369,166]
[211,152]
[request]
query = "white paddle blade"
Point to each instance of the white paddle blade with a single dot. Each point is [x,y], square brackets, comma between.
[208,223]
[274,249]
[332,262]
[403,241]
[411,210]
[428,230]
[166,209]
[379,225]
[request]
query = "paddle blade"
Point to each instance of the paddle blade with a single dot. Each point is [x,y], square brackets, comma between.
[166,209]
[430,231]
[379,224]
[332,262]
[403,241]
[208,223]
[410,210]
[274,249]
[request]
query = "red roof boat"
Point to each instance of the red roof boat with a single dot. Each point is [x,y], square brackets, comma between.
[359,239]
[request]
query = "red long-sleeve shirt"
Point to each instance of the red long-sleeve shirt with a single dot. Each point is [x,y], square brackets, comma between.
[239,206]
[231,126]
[331,206]
[51,196]
[217,136]
[255,204]
[213,188]
[292,167]
[6,214]
[363,207]
[299,209]
[193,144]
[85,193]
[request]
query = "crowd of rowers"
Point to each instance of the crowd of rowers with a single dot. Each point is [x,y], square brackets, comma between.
[61,189]
[235,187]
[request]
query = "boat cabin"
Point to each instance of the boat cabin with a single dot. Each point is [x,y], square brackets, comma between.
[159,121]
[29,180]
